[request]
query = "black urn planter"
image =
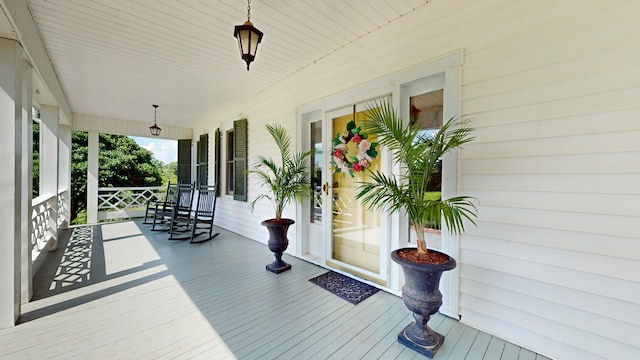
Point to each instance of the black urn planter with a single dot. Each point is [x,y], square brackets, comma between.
[278,243]
[421,295]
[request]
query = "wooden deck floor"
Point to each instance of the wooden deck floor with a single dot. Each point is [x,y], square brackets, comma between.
[119,291]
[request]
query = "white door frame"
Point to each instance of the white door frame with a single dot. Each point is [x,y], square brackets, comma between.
[399,85]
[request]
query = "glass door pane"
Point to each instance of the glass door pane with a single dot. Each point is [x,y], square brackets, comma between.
[355,230]
[316,172]
[426,112]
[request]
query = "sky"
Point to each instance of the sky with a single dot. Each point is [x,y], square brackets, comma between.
[163,150]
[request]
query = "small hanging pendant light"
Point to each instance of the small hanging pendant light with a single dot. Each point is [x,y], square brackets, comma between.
[155,129]
[248,38]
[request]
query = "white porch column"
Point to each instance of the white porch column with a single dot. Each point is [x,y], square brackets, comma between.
[92,177]
[64,173]
[11,198]
[48,150]
[27,183]
[49,117]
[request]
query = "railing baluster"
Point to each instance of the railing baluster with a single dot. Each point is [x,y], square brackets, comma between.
[125,202]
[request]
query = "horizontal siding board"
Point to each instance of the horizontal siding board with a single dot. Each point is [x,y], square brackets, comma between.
[591,203]
[595,284]
[513,129]
[588,223]
[616,184]
[563,41]
[599,163]
[548,290]
[605,245]
[613,101]
[625,269]
[586,341]
[595,84]
[602,143]
[566,315]
[623,58]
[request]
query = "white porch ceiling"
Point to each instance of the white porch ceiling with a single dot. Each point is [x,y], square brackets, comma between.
[116,58]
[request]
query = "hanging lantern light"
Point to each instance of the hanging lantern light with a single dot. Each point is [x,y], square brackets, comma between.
[155,129]
[248,38]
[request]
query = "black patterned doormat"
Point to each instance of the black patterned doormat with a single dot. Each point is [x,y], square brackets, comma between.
[345,287]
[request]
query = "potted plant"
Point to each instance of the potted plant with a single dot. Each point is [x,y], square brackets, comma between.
[419,157]
[286,182]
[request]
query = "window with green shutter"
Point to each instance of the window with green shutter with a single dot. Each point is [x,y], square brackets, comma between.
[240,160]
[202,169]
[184,161]
[216,160]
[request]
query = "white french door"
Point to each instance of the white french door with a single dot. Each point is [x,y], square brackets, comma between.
[355,236]
[337,231]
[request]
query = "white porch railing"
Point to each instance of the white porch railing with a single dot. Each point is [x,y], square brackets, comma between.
[64,202]
[48,214]
[126,202]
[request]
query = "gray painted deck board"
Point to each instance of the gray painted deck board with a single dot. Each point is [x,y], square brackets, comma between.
[510,352]
[526,355]
[494,351]
[479,347]
[463,346]
[143,297]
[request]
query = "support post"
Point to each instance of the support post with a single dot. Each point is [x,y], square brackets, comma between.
[11,199]
[49,118]
[92,177]
[27,183]
[64,174]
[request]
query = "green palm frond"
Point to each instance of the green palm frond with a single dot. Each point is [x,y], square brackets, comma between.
[419,156]
[286,182]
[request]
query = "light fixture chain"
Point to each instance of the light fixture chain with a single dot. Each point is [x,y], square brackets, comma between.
[248,10]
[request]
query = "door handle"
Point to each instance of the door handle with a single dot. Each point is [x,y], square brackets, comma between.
[325,188]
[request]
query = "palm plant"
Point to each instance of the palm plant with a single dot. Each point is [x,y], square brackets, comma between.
[419,156]
[288,181]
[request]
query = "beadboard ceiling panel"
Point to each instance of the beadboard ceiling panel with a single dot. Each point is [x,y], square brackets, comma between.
[116,58]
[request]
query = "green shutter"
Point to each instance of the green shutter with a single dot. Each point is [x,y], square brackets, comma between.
[216,159]
[184,161]
[203,160]
[240,160]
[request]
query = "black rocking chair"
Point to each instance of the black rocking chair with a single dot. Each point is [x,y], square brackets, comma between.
[157,205]
[199,218]
[180,203]
[179,219]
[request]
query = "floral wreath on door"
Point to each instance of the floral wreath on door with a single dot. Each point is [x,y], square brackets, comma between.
[344,161]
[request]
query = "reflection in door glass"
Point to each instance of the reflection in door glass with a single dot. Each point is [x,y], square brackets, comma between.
[316,172]
[426,113]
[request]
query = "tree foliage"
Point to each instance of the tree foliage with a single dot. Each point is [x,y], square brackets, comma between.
[121,162]
[169,172]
